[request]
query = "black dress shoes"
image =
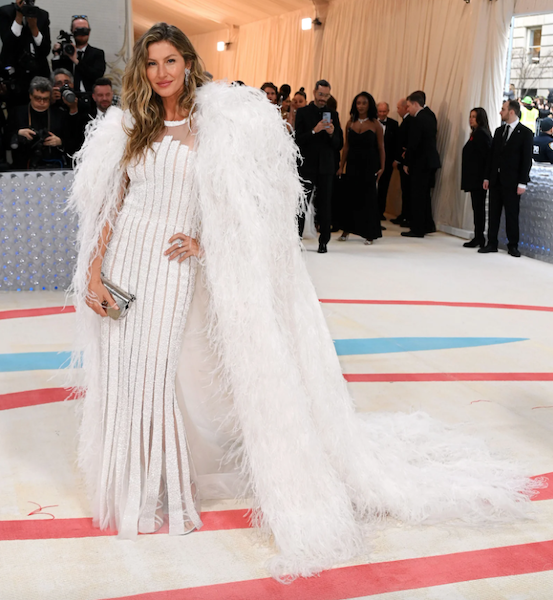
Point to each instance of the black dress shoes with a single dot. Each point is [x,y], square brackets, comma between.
[412,234]
[322,249]
[514,252]
[405,223]
[397,220]
[475,243]
[487,249]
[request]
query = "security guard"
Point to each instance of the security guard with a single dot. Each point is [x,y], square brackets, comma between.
[529,114]
[543,143]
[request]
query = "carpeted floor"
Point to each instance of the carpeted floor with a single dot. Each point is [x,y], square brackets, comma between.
[419,324]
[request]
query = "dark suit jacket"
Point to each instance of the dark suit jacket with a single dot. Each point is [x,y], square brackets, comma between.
[402,137]
[319,150]
[422,154]
[391,140]
[475,158]
[16,51]
[91,67]
[509,164]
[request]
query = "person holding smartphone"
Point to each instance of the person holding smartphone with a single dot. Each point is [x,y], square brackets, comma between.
[319,136]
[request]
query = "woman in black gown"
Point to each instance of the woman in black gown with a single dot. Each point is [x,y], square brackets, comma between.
[363,161]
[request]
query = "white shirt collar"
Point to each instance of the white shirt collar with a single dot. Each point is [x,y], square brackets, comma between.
[513,124]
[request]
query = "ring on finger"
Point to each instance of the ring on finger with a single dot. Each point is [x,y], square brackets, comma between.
[180,243]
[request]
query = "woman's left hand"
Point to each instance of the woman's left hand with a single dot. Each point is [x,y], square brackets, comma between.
[183,247]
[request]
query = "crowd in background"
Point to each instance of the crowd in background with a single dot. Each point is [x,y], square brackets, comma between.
[347,171]
[46,104]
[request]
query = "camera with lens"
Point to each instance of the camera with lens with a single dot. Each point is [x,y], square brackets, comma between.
[66,43]
[28,9]
[36,142]
[68,93]
[34,147]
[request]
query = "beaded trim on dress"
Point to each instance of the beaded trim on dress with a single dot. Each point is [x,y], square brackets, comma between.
[175,123]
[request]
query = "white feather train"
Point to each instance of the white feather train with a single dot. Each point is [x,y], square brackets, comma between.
[317,470]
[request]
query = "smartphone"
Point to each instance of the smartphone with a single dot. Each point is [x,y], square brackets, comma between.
[326,117]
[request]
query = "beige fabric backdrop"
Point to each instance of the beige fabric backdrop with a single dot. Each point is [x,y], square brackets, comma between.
[274,49]
[452,50]
[455,51]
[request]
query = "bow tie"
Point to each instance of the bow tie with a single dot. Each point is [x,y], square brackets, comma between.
[383,122]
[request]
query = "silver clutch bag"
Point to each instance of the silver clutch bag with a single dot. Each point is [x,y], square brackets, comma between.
[123,299]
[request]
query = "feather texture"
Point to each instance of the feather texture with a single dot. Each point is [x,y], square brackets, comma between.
[319,473]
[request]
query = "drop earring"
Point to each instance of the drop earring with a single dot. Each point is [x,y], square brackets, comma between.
[186,76]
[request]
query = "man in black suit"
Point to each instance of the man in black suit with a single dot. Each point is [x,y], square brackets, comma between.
[87,64]
[507,174]
[25,46]
[404,218]
[319,138]
[391,127]
[421,163]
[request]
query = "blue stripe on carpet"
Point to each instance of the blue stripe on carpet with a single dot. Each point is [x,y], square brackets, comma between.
[413,344]
[34,361]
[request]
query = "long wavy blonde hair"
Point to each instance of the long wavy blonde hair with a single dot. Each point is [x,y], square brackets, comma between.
[138,97]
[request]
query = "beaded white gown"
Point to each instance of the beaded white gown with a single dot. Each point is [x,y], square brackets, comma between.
[149,410]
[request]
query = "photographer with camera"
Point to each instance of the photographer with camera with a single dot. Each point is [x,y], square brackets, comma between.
[84,62]
[38,132]
[67,101]
[25,34]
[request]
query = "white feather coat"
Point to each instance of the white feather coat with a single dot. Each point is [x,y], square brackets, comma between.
[318,471]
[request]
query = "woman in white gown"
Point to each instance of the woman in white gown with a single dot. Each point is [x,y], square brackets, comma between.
[222,380]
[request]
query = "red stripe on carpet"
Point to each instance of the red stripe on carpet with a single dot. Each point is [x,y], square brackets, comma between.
[33,398]
[379,578]
[45,396]
[35,312]
[395,377]
[216,520]
[53,529]
[434,303]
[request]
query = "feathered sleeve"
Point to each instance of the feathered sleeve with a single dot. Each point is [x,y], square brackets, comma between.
[98,180]
[94,197]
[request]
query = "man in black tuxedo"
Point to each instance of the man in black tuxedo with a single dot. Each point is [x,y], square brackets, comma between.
[507,174]
[25,46]
[87,64]
[421,163]
[391,127]
[319,139]
[404,218]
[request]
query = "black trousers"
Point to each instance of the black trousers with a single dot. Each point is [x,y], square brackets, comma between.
[405,194]
[500,197]
[383,185]
[478,198]
[421,204]
[322,202]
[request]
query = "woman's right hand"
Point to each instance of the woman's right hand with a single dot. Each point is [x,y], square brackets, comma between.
[340,172]
[98,298]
